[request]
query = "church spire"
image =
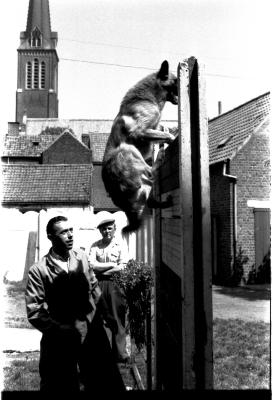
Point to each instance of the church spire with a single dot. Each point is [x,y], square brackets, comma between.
[38,30]
[38,16]
[37,83]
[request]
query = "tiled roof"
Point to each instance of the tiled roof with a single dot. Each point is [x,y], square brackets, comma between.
[97,143]
[100,197]
[26,145]
[51,183]
[229,132]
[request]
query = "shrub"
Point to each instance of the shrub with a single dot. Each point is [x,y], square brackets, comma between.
[263,274]
[238,269]
[136,280]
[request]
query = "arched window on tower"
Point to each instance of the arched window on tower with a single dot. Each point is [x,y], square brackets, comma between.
[36,38]
[29,75]
[36,73]
[42,75]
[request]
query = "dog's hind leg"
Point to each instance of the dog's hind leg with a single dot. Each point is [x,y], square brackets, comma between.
[135,211]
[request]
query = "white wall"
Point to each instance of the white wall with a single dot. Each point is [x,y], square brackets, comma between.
[15,229]
[17,226]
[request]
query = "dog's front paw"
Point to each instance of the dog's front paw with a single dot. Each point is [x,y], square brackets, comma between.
[170,138]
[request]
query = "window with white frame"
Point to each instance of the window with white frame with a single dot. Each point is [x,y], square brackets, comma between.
[35,74]
[29,75]
[42,75]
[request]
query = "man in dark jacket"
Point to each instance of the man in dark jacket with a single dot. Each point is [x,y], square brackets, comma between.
[59,304]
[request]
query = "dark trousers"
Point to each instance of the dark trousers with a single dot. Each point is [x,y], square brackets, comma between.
[65,362]
[116,303]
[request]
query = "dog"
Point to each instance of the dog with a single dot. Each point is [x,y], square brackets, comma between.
[126,170]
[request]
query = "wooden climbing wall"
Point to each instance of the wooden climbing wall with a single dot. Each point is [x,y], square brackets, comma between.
[182,238]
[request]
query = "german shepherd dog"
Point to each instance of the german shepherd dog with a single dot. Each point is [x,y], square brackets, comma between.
[126,174]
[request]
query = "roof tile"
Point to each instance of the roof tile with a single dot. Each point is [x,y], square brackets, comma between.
[52,183]
[26,146]
[228,132]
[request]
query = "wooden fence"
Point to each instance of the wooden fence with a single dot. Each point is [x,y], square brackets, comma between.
[182,247]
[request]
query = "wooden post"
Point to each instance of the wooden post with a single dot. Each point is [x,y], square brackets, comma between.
[183,262]
[196,243]
[149,346]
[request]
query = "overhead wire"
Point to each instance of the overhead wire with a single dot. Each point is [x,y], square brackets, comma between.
[146,68]
[135,48]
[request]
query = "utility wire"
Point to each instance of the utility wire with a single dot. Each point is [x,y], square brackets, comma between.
[135,48]
[109,64]
[147,68]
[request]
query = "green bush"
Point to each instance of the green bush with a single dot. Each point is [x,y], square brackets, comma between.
[238,269]
[263,273]
[136,280]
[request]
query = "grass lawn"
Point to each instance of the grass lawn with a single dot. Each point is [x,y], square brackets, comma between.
[241,353]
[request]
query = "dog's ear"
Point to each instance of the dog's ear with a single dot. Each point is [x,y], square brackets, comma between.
[163,73]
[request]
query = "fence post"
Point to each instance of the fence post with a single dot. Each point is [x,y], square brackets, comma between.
[183,243]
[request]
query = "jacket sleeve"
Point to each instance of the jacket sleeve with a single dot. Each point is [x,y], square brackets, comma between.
[37,313]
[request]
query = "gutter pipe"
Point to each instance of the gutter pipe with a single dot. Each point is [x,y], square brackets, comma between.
[233,179]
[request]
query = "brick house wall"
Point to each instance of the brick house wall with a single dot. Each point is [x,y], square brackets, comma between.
[251,165]
[222,222]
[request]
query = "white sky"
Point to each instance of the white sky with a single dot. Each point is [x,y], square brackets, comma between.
[231,37]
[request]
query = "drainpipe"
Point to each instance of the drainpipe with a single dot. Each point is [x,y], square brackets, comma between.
[233,180]
[38,237]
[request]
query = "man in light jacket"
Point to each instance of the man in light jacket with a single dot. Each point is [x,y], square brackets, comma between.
[60,304]
[107,256]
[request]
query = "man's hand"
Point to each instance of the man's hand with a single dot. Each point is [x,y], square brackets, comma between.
[111,323]
[102,268]
[115,268]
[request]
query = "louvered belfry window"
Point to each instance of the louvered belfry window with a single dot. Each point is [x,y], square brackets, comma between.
[29,75]
[42,75]
[35,74]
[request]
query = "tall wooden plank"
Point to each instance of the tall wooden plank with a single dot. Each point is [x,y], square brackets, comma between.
[183,246]
[206,230]
[187,262]
[195,205]
[157,303]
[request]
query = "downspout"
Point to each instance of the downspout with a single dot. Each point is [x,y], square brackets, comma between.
[233,179]
[38,238]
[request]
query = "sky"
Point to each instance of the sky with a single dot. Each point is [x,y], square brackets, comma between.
[106,46]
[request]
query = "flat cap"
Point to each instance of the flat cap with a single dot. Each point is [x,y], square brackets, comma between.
[105,217]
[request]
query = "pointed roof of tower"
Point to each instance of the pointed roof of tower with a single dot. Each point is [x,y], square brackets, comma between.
[39,18]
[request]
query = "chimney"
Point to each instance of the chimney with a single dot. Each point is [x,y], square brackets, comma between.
[219,107]
[13,128]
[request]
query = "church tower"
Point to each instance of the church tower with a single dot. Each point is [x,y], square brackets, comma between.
[37,81]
